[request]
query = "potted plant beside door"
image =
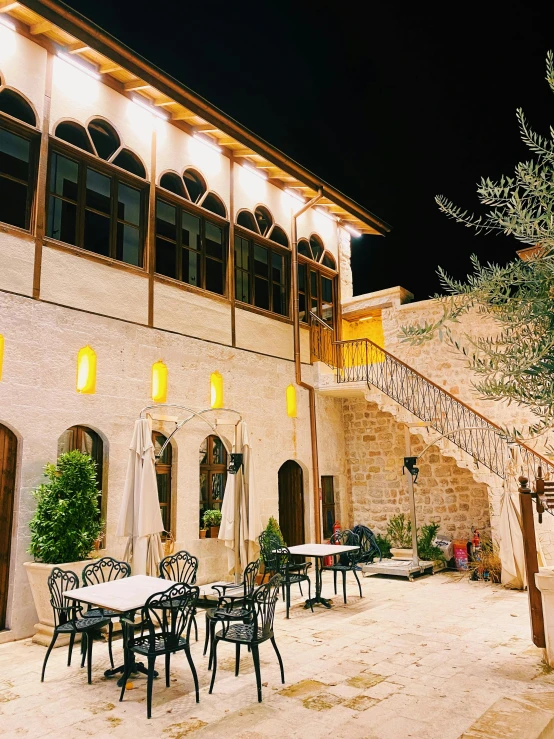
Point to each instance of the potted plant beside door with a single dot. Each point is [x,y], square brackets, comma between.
[63,529]
[212,521]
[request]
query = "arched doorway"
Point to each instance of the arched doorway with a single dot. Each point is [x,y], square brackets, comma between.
[291,503]
[8,459]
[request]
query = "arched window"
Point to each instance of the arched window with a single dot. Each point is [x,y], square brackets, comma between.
[213,474]
[163,477]
[261,268]
[87,441]
[19,146]
[94,206]
[316,286]
[190,244]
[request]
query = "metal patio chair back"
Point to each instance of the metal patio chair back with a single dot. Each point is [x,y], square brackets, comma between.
[346,561]
[105,569]
[180,567]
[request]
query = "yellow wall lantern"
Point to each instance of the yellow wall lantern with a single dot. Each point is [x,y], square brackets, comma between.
[1,354]
[291,401]
[216,390]
[159,382]
[86,371]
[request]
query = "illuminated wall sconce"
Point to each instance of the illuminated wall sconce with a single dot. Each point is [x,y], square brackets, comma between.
[1,355]
[291,401]
[159,382]
[86,371]
[216,390]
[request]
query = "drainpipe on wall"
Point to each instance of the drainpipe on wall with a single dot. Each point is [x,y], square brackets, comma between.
[298,365]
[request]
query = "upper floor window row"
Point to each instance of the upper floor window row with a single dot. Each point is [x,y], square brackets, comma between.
[18,157]
[313,248]
[192,186]
[261,222]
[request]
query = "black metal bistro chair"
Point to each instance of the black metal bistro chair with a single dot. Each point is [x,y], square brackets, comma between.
[68,617]
[105,569]
[368,544]
[269,546]
[346,561]
[252,634]
[232,604]
[181,567]
[167,617]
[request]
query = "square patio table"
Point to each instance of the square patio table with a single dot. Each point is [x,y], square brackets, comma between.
[318,551]
[127,595]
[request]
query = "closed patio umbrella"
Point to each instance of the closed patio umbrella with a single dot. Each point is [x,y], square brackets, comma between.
[241,498]
[140,519]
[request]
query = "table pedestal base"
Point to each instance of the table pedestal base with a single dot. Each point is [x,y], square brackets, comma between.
[137,667]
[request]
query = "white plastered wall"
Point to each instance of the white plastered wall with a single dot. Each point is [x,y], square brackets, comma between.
[23,67]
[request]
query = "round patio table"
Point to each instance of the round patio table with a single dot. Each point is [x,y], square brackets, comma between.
[318,551]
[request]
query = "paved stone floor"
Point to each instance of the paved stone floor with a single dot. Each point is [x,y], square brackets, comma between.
[421,659]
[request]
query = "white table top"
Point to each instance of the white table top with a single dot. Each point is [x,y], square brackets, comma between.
[320,550]
[128,593]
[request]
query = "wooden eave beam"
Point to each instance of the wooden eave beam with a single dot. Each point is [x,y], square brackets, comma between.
[77,47]
[7,5]
[35,29]
[106,45]
[109,67]
[134,85]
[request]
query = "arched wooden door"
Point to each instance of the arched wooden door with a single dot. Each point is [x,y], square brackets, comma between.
[8,458]
[291,503]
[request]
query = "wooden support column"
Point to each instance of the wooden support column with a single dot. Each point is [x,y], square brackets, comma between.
[150,256]
[531,563]
[40,199]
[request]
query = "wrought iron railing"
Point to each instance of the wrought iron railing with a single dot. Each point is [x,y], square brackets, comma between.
[361,360]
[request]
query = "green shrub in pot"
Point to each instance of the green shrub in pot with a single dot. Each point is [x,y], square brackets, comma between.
[212,517]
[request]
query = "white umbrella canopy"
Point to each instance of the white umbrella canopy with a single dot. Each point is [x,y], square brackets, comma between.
[512,554]
[140,519]
[240,496]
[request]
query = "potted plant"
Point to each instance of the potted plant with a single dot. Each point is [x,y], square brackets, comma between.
[203,533]
[426,548]
[399,534]
[212,521]
[271,528]
[63,529]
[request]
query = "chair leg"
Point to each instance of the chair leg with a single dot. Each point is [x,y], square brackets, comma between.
[359,584]
[207,639]
[288,598]
[193,670]
[212,639]
[279,658]
[110,636]
[256,657]
[167,663]
[335,580]
[237,659]
[214,663]
[195,628]
[310,594]
[70,651]
[54,637]
[83,648]
[344,585]
[300,586]
[90,641]
[126,674]
[151,663]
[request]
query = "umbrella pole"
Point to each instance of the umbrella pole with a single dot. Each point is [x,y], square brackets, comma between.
[236,519]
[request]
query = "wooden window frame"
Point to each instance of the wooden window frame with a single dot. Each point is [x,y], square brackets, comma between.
[321,271]
[211,468]
[205,216]
[166,468]
[84,161]
[273,248]
[77,433]
[325,507]
[31,134]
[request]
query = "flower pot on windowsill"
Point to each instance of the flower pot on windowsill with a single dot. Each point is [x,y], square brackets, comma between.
[214,532]
[203,533]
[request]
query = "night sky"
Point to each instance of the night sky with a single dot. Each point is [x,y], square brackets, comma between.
[391,104]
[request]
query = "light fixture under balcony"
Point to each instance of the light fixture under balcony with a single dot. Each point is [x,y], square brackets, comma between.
[78,65]
[327,214]
[207,142]
[258,172]
[351,230]
[150,108]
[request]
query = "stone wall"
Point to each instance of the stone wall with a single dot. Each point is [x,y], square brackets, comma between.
[375,448]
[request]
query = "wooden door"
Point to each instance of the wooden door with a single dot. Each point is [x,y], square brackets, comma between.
[291,503]
[8,457]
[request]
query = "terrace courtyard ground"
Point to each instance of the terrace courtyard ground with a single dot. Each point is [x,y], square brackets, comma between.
[422,659]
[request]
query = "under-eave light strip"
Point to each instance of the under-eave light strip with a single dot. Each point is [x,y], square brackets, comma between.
[204,140]
[351,230]
[150,108]
[296,195]
[258,172]
[81,67]
[327,214]
[7,23]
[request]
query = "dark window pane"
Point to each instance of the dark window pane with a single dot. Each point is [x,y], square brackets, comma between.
[279,300]
[279,236]
[277,274]
[304,248]
[214,276]
[241,253]
[159,440]
[97,233]
[14,155]
[264,219]
[218,479]
[195,184]
[261,293]
[190,230]
[214,240]
[302,307]
[165,221]
[213,203]
[129,161]
[13,202]
[217,450]
[326,289]
[242,286]
[74,134]
[64,176]
[166,258]
[261,266]
[15,105]
[173,182]
[128,205]
[302,277]
[62,221]
[104,137]
[328,261]
[246,219]
[164,483]
[99,189]
[317,247]
[128,244]
[313,283]
[191,268]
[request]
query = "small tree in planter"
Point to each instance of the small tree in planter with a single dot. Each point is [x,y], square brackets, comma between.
[63,529]
[212,521]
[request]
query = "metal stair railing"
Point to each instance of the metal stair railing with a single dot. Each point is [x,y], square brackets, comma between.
[361,360]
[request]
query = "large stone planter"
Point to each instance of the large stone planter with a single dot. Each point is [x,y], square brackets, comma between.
[38,573]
